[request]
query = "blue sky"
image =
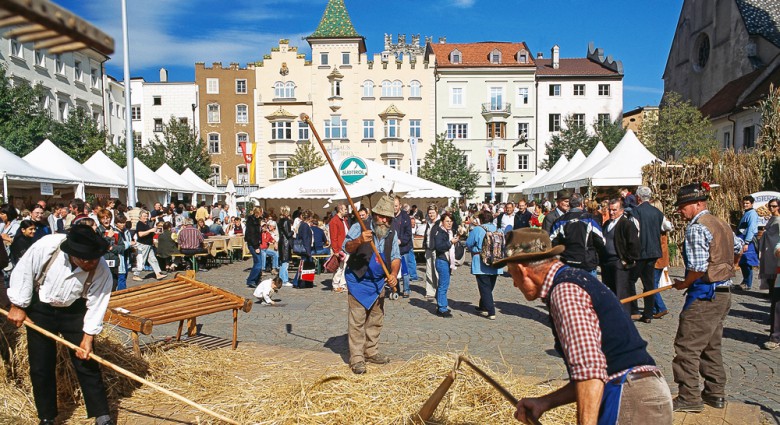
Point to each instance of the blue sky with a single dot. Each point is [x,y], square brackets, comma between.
[175,34]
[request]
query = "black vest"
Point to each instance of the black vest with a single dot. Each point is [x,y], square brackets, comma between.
[620,341]
[358,262]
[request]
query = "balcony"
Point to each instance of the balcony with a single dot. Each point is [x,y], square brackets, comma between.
[494,110]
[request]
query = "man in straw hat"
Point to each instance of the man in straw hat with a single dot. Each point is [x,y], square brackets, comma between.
[63,285]
[710,252]
[366,282]
[599,343]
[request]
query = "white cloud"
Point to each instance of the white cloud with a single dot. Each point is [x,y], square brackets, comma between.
[463,4]
[172,33]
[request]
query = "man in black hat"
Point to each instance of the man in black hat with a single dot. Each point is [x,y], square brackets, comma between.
[710,252]
[598,342]
[562,199]
[63,285]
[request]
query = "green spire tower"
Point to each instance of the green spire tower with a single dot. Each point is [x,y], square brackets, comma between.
[335,22]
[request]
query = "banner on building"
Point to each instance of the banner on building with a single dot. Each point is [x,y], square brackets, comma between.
[249,159]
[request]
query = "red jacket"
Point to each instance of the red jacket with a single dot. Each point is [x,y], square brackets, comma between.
[337,229]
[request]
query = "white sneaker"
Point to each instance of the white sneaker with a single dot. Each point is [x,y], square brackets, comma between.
[287,284]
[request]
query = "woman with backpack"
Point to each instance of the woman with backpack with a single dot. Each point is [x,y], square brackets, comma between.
[485,274]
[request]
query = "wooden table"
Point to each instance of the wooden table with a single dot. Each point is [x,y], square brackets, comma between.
[182,298]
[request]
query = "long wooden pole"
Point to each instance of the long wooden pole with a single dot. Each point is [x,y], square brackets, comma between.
[305,118]
[645,294]
[124,371]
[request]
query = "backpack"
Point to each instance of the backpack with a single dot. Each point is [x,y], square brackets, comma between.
[493,246]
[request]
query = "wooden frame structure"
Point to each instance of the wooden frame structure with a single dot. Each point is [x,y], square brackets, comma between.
[172,300]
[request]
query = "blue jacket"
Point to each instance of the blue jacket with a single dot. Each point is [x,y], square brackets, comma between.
[474,245]
[305,235]
[402,225]
[319,238]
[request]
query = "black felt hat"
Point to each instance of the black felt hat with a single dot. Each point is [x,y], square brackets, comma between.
[692,193]
[84,242]
[563,194]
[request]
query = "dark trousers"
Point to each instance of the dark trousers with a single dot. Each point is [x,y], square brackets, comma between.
[645,271]
[774,314]
[68,322]
[616,277]
[485,284]
[697,348]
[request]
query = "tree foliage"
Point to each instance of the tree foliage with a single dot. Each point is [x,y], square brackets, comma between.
[79,136]
[446,165]
[305,158]
[680,132]
[608,133]
[179,146]
[24,122]
[567,142]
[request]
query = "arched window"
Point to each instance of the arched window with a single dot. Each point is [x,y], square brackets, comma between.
[289,90]
[368,88]
[495,56]
[397,90]
[522,56]
[456,56]
[387,88]
[414,89]
[278,89]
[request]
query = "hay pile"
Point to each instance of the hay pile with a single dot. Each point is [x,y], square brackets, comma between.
[249,389]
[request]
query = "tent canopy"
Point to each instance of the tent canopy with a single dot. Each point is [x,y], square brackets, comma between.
[598,153]
[69,168]
[16,168]
[519,188]
[201,185]
[539,185]
[100,163]
[168,174]
[144,173]
[320,183]
[556,182]
[622,167]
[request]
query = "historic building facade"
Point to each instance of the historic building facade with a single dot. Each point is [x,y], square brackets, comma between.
[723,58]
[379,107]
[486,103]
[226,112]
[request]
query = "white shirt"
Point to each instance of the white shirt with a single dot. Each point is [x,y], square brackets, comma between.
[264,291]
[62,285]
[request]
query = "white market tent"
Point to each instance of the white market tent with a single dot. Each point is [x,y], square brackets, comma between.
[556,181]
[15,168]
[539,185]
[598,153]
[319,187]
[68,168]
[519,188]
[168,174]
[102,164]
[622,167]
[201,185]
[145,173]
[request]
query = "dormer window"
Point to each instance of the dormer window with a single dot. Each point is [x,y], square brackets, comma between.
[495,56]
[522,56]
[456,56]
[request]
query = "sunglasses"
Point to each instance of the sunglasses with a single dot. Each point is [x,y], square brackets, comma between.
[772,206]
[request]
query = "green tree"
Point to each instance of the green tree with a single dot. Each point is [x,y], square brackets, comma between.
[680,132]
[79,136]
[305,158]
[566,142]
[24,122]
[608,133]
[179,146]
[446,165]
[117,153]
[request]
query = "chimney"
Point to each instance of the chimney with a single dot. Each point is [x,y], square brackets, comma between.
[555,57]
[539,55]
[163,75]
[442,40]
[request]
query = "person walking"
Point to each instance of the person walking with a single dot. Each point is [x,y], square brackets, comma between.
[63,285]
[253,238]
[305,240]
[444,244]
[366,282]
[431,279]
[338,228]
[747,230]
[144,235]
[621,250]
[285,244]
[710,251]
[486,275]
[612,377]
[651,221]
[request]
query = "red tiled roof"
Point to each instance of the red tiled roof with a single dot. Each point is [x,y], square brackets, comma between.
[573,66]
[725,100]
[761,91]
[478,54]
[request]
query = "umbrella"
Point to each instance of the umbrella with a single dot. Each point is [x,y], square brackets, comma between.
[81,193]
[230,199]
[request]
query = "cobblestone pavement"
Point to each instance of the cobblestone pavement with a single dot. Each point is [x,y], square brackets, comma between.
[316,319]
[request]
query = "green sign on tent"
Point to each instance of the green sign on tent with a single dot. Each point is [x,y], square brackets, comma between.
[352,169]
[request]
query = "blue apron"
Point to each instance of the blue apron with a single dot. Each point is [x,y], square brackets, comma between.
[749,257]
[699,289]
[368,289]
[610,401]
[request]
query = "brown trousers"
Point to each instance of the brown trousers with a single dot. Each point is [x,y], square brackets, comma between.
[363,328]
[697,348]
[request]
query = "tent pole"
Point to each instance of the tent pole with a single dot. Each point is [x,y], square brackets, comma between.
[131,194]
[5,186]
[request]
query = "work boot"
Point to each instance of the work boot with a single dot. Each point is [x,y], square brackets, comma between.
[46,422]
[716,402]
[358,368]
[378,358]
[687,406]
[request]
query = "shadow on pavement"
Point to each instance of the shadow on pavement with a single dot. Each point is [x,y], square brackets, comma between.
[523,311]
[339,345]
[761,317]
[744,336]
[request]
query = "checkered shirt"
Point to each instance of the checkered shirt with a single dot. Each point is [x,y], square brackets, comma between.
[190,238]
[577,326]
[697,244]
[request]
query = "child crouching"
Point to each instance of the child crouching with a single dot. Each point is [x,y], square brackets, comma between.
[266,288]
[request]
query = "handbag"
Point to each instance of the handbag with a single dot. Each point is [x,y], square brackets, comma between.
[308,269]
[298,246]
[333,263]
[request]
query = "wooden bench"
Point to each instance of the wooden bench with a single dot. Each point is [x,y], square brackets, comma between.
[140,308]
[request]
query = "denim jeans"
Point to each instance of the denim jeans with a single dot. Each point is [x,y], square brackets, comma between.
[411,264]
[443,271]
[257,267]
[121,281]
[486,283]
[283,272]
[659,302]
[274,258]
[405,276]
[323,251]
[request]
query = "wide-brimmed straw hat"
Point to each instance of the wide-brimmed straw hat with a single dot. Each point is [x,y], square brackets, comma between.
[528,245]
[83,242]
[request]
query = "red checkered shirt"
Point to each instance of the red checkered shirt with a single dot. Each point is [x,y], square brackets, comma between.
[577,326]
